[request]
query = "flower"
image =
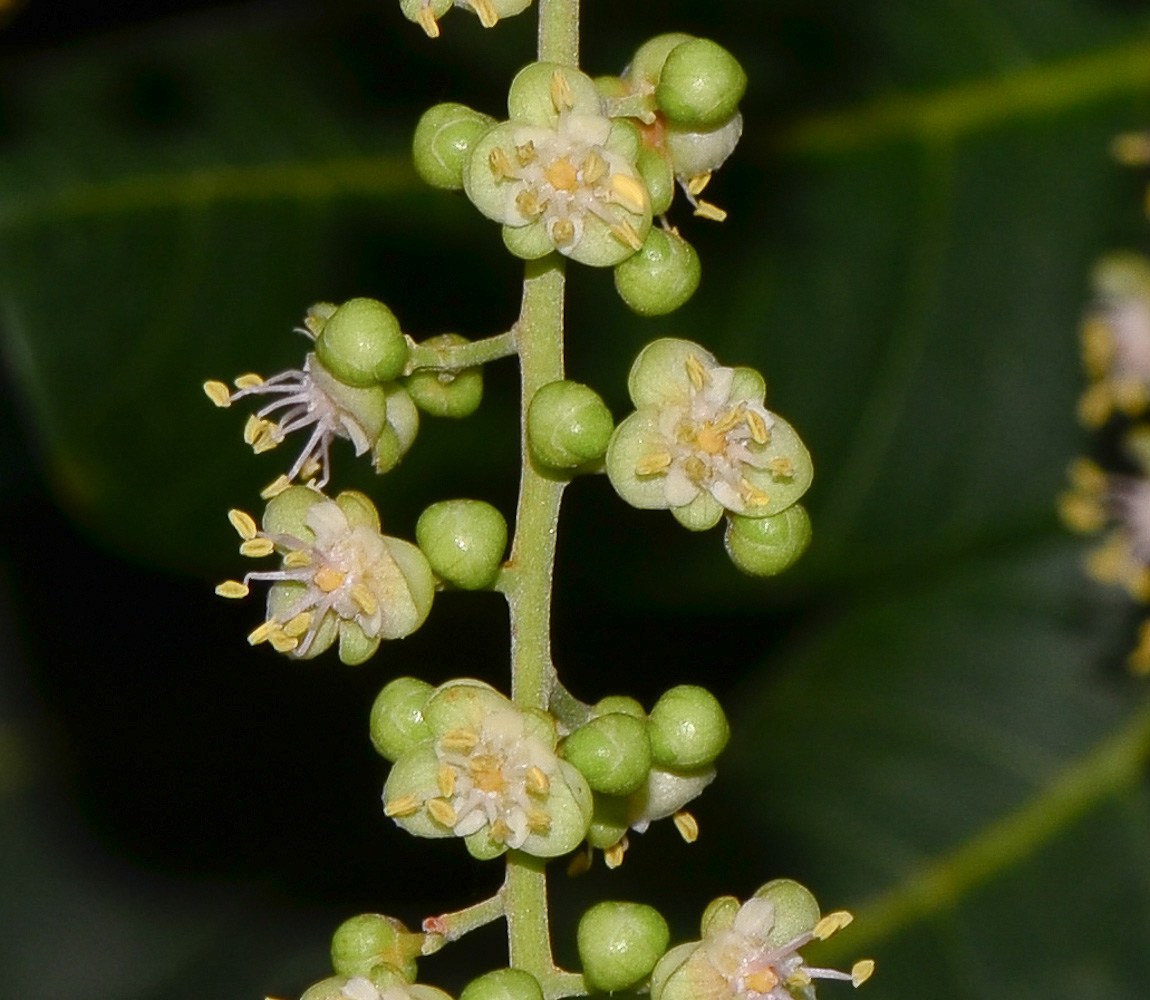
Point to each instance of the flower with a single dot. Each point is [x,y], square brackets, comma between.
[384,983]
[488,772]
[701,441]
[560,175]
[379,417]
[340,577]
[426,13]
[751,951]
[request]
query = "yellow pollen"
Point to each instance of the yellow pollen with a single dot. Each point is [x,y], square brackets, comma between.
[405,805]
[1097,346]
[500,831]
[753,495]
[705,210]
[536,781]
[561,95]
[282,643]
[1095,405]
[328,579]
[538,821]
[365,599]
[696,469]
[687,826]
[233,588]
[861,971]
[442,812]
[244,524]
[1131,149]
[261,634]
[310,467]
[257,548]
[696,372]
[762,981]
[528,203]
[427,22]
[781,467]
[729,420]
[445,781]
[760,433]
[486,11]
[275,487]
[1088,477]
[652,465]
[525,154]
[218,393]
[563,231]
[630,193]
[831,923]
[798,979]
[298,625]
[594,168]
[297,559]
[249,381]
[562,175]
[697,184]
[500,164]
[458,741]
[613,856]
[625,233]
[709,441]
[490,781]
[581,862]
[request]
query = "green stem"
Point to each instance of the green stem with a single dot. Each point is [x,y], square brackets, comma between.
[452,926]
[559,32]
[458,356]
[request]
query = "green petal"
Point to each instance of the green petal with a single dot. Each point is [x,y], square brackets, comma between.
[569,805]
[785,443]
[481,846]
[462,704]
[700,514]
[528,242]
[529,98]
[598,246]
[358,509]
[479,183]
[416,773]
[748,386]
[286,513]
[634,439]
[796,909]
[659,374]
[354,646]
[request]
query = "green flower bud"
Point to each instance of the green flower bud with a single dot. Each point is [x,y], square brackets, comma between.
[397,717]
[610,819]
[568,424]
[503,984]
[661,276]
[619,703]
[764,546]
[796,909]
[463,540]
[619,944]
[688,728]
[700,85]
[613,752]
[444,393]
[361,344]
[371,939]
[443,141]
[695,153]
[647,63]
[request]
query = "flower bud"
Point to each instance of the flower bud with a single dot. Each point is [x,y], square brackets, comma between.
[463,540]
[397,717]
[619,944]
[361,344]
[647,63]
[371,939]
[661,276]
[610,819]
[446,393]
[613,752]
[688,728]
[443,141]
[568,424]
[700,85]
[503,984]
[619,703]
[765,546]
[694,153]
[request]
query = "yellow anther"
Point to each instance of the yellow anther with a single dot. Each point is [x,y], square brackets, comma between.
[483,762]
[297,559]
[1139,660]
[581,862]
[488,16]
[799,979]
[249,381]
[528,203]
[613,856]
[489,780]
[525,153]
[1131,149]
[760,432]
[781,467]
[257,548]
[1108,563]
[652,465]
[562,175]
[244,524]
[309,468]
[709,441]
[1081,513]
[405,805]
[625,233]
[445,781]
[563,231]
[705,210]
[458,741]
[218,393]
[499,831]
[861,971]
[561,95]
[697,184]
[754,496]
[594,168]
[538,821]
[365,599]
[696,372]
[441,812]
[298,625]
[233,588]
[1095,405]
[762,981]
[536,781]
[328,579]
[252,429]
[275,487]
[260,434]
[695,468]
[427,22]
[261,634]
[687,826]
[500,164]
[831,923]
[282,643]
[729,420]
[629,192]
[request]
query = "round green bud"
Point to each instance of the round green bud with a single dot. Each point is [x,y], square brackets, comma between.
[661,276]
[688,728]
[610,818]
[568,424]
[371,939]
[463,540]
[613,752]
[695,153]
[764,546]
[397,717]
[503,984]
[445,393]
[443,140]
[647,63]
[655,169]
[361,344]
[700,85]
[618,703]
[619,944]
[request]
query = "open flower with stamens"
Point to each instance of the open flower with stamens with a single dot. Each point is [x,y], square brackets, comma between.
[488,772]
[1116,340]
[340,578]
[751,951]
[701,441]
[426,13]
[560,175]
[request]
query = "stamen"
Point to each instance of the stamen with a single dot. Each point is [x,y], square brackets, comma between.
[861,971]
[705,210]
[282,643]
[528,203]
[760,433]
[563,231]
[275,487]
[500,164]
[257,548]
[445,781]
[249,381]
[697,184]
[696,372]
[365,599]
[1131,149]
[244,524]
[625,233]
[831,923]
[298,625]
[297,559]
[218,393]
[486,11]
[754,496]
[652,465]
[261,634]
[500,831]
[688,828]
[329,579]
[538,821]
[405,805]
[442,812]
[458,741]
[762,981]
[613,856]
[581,862]
[1088,477]
[561,95]
[630,193]
[594,168]
[233,589]
[562,175]
[781,467]
[536,781]
[427,22]
[526,153]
